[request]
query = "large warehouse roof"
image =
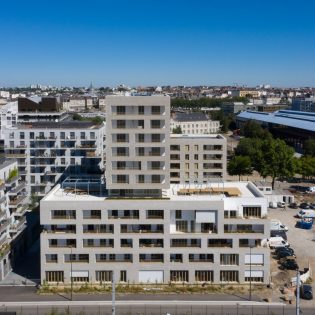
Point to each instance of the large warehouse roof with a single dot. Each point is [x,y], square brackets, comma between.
[290,118]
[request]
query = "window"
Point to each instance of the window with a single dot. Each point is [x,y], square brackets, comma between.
[121,110]
[156,138]
[196,156]
[82,135]
[187,158]
[51,258]
[80,279]
[229,276]
[178,214]
[176,258]
[54,276]
[103,275]
[141,110]
[229,259]
[155,110]
[141,179]
[179,276]
[204,276]
[140,137]
[182,226]
[123,276]
[196,147]
[220,242]
[252,212]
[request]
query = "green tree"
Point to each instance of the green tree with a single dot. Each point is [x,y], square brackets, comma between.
[309,147]
[251,129]
[177,130]
[240,165]
[277,160]
[13,173]
[306,166]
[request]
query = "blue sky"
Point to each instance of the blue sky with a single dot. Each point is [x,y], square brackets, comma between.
[157,42]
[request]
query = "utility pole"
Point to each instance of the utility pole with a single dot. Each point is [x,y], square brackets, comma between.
[297,292]
[113,294]
[71,278]
[250,272]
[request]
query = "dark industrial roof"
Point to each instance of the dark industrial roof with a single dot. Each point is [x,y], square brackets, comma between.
[190,117]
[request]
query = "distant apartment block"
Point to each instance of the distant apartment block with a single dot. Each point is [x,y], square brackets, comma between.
[39,104]
[47,151]
[194,123]
[197,158]
[304,104]
[12,211]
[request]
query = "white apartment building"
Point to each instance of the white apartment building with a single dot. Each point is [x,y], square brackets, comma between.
[137,144]
[140,227]
[47,151]
[8,116]
[193,234]
[194,123]
[197,158]
[12,210]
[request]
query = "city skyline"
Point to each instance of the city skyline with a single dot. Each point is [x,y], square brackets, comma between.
[161,44]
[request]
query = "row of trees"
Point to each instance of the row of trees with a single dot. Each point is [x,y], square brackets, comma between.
[204,102]
[259,151]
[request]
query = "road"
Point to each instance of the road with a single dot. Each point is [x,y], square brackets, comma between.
[152,308]
[25,301]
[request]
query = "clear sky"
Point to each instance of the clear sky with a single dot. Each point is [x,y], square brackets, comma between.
[214,42]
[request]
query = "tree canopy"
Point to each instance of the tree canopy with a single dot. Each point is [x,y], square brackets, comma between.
[240,165]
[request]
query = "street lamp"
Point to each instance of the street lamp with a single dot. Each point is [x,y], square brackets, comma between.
[71,278]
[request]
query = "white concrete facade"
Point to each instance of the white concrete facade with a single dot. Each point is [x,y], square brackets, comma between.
[47,151]
[197,158]
[193,234]
[137,143]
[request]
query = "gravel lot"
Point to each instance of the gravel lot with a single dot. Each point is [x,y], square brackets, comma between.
[302,241]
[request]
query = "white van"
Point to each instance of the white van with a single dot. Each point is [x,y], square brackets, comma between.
[273,205]
[306,213]
[277,241]
[276,225]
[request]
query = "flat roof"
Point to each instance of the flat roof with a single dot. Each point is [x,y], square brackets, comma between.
[197,136]
[183,117]
[63,124]
[212,191]
[290,118]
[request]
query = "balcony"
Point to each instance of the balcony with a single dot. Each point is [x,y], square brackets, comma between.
[4,224]
[17,201]
[141,229]
[18,225]
[243,228]
[17,189]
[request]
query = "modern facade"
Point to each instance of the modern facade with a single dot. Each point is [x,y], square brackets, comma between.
[197,158]
[207,233]
[136,226]
[194,123]
[12,214]
[48,151]
[137,144]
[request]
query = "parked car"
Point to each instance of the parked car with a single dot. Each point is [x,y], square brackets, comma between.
[306,292]
[304,205]
[293,205]
[275,233]
[284,249]
[306,213]
[312,206]
[285,254]
[289,264]
[277,225]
